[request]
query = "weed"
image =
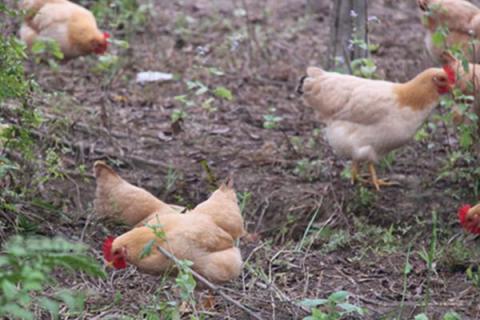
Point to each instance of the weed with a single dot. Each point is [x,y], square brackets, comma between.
[128,15]
[271,121]
[47,50]
[333,308]
[309,170]
[184,280]
[244,199]
[25,271]
[473,275]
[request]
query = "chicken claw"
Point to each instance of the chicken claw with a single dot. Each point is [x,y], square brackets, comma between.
[379,182]
[354,173]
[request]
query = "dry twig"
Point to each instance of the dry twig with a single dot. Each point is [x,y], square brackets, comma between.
[210,285]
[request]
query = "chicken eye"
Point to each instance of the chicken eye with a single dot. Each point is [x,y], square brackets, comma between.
[440,80]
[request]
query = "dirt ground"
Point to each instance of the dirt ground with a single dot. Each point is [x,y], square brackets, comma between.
[311,232]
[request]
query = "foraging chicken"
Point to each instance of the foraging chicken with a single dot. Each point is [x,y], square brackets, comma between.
[193,237]
[366,119]
[73,27]
[467,81]
[222,207]
[118,199]
[462,19]
[470,218]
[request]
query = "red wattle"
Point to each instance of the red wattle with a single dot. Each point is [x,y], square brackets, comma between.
[452,78]
[107,248]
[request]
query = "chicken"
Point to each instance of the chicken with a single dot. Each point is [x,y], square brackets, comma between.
[222,207]
[73,27]
[462,19]
[470,218]
[192,237]
[365,119]
[116,198]
[467,81]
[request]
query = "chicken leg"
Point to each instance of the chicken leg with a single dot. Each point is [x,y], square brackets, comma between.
[378,182]
[354,173]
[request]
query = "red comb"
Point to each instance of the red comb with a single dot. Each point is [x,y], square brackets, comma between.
[450,74]
[106,35]
[107,249]
[471,226]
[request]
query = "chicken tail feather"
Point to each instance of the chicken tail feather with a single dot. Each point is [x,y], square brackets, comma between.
[299,89]
[229,182]
[423,4]
[101,166]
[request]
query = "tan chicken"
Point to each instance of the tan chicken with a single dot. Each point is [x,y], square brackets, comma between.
[222,207]
[193,237]
[462,19]
[73,27]
[467,81]
[117,199]
[366,119]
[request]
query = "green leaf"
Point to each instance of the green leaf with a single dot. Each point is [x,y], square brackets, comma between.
[9,289]
[224,93]
[147,249]
[38,47]
[421,316]
[438,39]
[4,261]
[50,305]
[339,296]
[16,311]
[452,315]
[74,303]
[350,308]
[32,286]
[120,43]
[310,303]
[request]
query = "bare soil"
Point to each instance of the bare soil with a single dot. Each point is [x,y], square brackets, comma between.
[291,173]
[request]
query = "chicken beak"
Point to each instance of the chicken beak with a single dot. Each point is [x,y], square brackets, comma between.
[109,264]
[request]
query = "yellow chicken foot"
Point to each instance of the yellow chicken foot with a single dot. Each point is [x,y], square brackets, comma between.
[378,182]
[354,173]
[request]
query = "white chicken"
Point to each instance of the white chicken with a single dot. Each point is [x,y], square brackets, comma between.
[366,119]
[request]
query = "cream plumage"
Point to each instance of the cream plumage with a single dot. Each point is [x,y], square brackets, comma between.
[365,119]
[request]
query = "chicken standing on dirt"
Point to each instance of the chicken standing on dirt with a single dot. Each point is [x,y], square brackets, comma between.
[222,207]
[117,199]
[462,19]
[366,119]
[73,27]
